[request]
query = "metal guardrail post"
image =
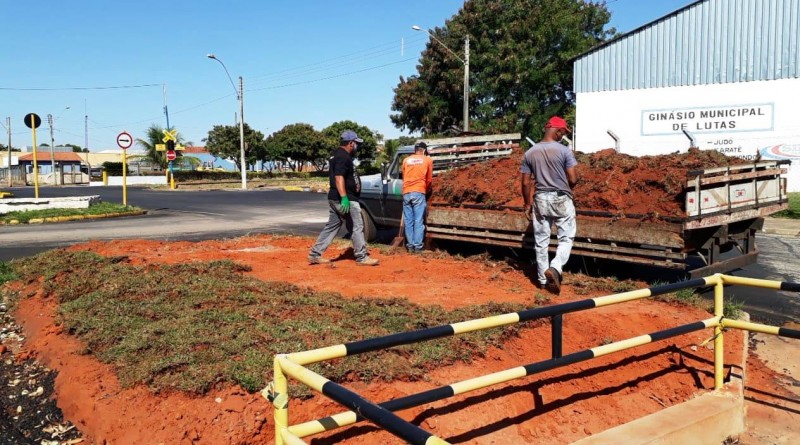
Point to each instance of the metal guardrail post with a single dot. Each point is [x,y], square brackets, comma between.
[556,324]
[719,352]
[280,402]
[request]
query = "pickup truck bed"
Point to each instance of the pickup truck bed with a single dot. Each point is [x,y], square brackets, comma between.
[725,209]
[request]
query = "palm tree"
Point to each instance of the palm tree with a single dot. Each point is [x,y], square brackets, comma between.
[155,136]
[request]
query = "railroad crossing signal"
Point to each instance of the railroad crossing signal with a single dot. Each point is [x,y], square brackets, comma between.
[169,139]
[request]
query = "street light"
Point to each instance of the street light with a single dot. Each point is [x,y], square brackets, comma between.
[240,98]
[50,120]
[465,61]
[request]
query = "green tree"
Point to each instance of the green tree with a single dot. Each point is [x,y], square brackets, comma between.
[520,66]
[223,142]
[366,150]
[154,136]
[297,144]
[390,148]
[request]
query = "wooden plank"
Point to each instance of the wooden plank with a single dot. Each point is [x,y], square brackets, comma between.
[592,228]
[464,140]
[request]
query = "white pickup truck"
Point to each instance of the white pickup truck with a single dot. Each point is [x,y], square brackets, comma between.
[724,209]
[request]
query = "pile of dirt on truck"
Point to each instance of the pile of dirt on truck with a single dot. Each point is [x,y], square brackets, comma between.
[608,181]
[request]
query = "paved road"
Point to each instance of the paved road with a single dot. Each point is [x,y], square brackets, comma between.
[186,215]
[172,215]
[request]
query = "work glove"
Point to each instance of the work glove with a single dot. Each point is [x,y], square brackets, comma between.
[345,205]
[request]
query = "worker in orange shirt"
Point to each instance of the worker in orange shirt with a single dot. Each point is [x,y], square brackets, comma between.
[417,188]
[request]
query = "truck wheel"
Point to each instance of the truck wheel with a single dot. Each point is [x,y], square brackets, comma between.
[370,231]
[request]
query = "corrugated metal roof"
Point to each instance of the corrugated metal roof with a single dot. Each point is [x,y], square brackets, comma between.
[706,42]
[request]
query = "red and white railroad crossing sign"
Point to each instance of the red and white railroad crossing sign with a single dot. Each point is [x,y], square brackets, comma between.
[124,140]
[170,155]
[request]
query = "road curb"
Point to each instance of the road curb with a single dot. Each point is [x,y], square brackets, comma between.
[781,226]
[73,218]
[295,188]
[709,418]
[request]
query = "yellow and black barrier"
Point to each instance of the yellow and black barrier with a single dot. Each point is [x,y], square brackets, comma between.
[382,414]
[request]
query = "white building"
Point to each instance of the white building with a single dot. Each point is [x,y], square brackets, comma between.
[724,73]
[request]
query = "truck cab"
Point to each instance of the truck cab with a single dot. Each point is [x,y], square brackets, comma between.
[382,195]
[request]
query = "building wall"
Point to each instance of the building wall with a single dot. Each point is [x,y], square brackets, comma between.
[744,119]
[706,42]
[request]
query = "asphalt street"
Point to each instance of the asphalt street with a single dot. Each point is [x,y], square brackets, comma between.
[199,215]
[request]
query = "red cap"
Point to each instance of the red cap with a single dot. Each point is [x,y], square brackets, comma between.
[557,122]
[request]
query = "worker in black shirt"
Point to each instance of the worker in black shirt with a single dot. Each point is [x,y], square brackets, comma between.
[345,188]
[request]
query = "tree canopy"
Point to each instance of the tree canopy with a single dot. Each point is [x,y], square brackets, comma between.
[295,144]
[366,150]
[223,142]
[521,55]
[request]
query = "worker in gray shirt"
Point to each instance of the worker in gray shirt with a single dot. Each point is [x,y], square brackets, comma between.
[548,175]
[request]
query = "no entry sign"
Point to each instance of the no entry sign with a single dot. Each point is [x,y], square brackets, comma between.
[170,156]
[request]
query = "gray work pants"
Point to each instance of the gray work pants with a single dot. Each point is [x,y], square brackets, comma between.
[335,221]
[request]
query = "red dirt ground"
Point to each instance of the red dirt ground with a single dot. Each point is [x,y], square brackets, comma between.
[555,407]
[608,182]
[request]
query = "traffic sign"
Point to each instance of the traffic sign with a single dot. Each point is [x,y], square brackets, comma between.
[32,120]
[170,156]
[124,140]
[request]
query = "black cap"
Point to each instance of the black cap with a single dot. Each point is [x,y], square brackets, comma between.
[421,144]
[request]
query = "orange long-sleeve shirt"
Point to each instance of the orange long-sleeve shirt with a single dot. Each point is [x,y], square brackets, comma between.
[417,173]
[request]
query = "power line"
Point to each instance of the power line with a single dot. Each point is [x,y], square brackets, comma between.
[333,77]
[119,87]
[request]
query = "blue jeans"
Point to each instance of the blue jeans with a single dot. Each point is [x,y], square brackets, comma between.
[553,208]
[414,205]
[331,229]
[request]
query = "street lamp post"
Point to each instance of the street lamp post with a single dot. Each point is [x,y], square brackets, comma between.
[240,98]
[465,61]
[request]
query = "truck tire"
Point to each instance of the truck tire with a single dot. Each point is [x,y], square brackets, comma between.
[370,231]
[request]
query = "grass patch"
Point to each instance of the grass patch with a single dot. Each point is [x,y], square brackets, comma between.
[793,212]
[6,273]
[196,325]
[586,285]
[102,208]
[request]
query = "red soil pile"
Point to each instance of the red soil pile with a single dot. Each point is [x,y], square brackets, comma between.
[608,181]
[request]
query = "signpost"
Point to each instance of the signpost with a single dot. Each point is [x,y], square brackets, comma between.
[32,121]
[124,141]
[170,145]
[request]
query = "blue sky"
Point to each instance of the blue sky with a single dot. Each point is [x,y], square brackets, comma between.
[310,61]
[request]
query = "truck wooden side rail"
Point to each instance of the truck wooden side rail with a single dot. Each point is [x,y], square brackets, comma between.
[726,209]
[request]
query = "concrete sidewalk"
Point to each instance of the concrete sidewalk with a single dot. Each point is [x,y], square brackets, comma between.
[782,226]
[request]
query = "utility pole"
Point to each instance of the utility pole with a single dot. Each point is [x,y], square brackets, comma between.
[8,127]
[241,132]
[52,152]
[85,128]
[466,83]
[166,112]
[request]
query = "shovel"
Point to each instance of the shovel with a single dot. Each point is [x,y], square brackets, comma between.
[401,235]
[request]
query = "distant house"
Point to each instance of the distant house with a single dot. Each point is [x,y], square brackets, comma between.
[67,168]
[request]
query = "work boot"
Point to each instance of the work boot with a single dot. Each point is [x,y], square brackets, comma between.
[553,281]
[367,261]
[317,260]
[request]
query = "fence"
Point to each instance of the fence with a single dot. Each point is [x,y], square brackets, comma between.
[382,414]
